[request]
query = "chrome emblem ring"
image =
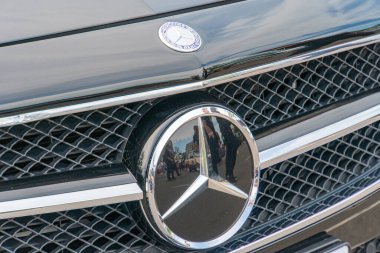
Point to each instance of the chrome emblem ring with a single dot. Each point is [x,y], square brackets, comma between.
[202,177]
[179,37]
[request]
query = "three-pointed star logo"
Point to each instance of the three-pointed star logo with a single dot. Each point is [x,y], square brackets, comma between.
[183,36]
[206,180]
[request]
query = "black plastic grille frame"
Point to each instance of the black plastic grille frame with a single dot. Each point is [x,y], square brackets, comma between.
[269,98]
[290,192]
[70,142]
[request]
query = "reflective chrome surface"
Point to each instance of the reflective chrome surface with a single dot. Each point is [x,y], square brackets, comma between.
[332,125]
[375,187]
[67,196]
[179,37]
[167,91]
[203,177]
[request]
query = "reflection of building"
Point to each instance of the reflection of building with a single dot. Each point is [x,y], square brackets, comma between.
[191,150]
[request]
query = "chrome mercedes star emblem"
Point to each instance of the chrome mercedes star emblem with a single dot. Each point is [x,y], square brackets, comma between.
[206,179]
[202,177]
[179,37]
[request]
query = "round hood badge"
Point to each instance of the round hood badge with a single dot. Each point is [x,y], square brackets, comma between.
[179,37]
[202,177]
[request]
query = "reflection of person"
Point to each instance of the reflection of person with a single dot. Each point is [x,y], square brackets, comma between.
[232,143]
[213,142]
[177,167]
[192,167]
[196,135]
[168,158]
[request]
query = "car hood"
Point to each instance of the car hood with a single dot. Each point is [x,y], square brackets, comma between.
[22,20]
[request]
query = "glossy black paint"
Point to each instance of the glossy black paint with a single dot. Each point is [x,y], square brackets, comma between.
[130,58]
[20,20]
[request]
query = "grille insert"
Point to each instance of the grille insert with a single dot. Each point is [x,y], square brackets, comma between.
[307,184]
[98,229]
[97,138]
[269,98]
[70,142]
[289,192]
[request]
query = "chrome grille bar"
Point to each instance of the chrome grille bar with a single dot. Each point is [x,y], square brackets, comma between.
[312,219]
[319,130]
[69,195]
[167,91]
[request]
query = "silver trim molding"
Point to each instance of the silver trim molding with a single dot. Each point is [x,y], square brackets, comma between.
[48,113]
[311,220]
[320,136]
[70,200]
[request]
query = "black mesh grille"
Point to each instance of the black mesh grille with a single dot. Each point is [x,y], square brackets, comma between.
[265,99]
[70,142]
[98,229]
[97,137]
[302,186]
[307,177]
[290,191]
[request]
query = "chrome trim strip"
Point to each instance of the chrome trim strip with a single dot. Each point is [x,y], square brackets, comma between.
[318,137]
[48,113]
[70,200]
[311,220]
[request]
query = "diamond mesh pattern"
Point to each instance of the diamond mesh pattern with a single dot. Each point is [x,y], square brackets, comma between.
[98,229]
[309,176]
[302,213]
[268,98]
[302,186]
[97,137]
[68,142]
[290,191]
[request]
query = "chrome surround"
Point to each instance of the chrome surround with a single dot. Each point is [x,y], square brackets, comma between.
[145,95]
[60,197]
[321,136]
[166,133]
[311,220]
[183,33]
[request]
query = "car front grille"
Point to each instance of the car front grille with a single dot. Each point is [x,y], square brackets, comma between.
[289,191]
[96,138]
[71,142]
[98,229]
[275,96]
[296,189]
